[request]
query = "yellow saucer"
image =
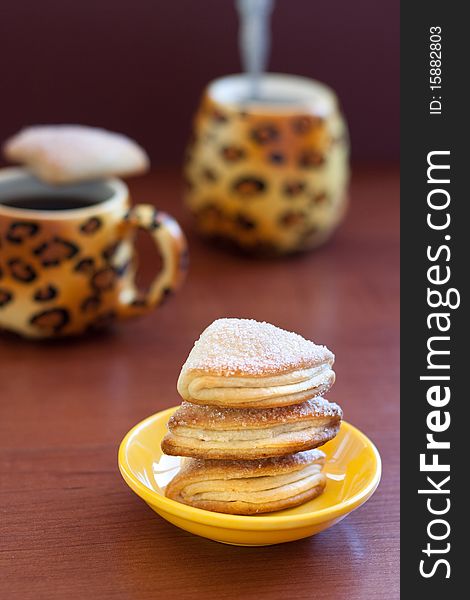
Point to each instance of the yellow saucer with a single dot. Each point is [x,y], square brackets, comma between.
[353,468]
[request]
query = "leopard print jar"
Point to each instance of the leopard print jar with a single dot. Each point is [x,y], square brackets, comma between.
[64,272]
[270,176]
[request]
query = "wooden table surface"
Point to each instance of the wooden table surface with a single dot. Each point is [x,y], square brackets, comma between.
[71,528]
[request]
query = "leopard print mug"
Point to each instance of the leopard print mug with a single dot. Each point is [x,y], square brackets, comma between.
[64,272]
[269,175]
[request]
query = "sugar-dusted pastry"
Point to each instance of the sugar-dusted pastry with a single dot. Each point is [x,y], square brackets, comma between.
[243,363]
[250,433]
[60,154]
[249,487]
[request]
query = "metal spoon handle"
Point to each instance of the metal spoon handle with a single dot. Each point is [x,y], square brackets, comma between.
[254,39]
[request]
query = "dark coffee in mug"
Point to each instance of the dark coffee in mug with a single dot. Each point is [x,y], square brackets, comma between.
[67,256]
[48,202]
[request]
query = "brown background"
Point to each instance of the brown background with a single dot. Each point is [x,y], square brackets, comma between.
[69,526]
[138,66]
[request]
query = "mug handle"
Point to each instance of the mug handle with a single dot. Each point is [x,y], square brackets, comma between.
[171,243]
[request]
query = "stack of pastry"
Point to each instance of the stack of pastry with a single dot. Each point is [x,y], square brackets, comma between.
[252,419]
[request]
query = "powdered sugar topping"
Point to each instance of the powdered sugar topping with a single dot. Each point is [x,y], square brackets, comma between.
[245,346]
[212,417]
[276,465]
